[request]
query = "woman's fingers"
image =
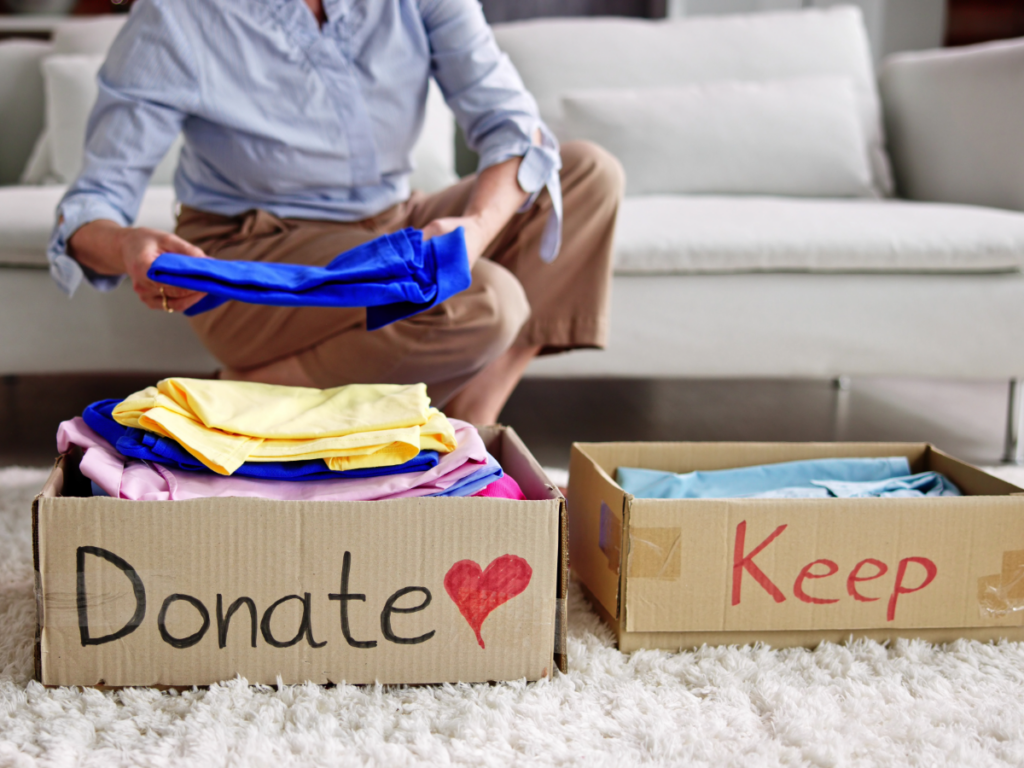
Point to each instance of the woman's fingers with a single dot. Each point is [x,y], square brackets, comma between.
[177,299]
[439,227]
[174,244]
[171,292]
[144,246]
[191,250]
[184,302]
[149,297]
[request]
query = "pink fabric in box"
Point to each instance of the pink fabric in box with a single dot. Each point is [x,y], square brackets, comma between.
[503,488]
[123,478]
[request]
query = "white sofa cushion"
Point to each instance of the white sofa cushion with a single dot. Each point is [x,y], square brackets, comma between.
[27,213]
[809,326]
[956,122]
[556,56]
[691,234]
[797,137]
[21,103]
[678,234]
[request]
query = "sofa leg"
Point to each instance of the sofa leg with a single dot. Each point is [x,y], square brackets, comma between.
[841,412]
[1012,453]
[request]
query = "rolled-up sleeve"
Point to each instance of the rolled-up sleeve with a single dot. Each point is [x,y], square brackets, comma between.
[147,86]
[497,114]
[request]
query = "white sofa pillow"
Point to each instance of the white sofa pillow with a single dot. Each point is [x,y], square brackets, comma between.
[71,90]
[21,103]
[797,137]
[559,56]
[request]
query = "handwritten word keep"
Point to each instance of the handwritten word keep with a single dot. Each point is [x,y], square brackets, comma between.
[909,570]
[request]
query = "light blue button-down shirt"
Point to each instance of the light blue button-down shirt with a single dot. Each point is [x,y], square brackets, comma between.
[302,121]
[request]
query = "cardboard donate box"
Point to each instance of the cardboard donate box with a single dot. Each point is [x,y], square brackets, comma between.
[193,592]
[684,572]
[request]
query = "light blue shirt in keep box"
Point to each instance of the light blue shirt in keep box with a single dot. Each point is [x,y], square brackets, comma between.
[302,121]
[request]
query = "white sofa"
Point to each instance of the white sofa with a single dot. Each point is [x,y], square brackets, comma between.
[708,284]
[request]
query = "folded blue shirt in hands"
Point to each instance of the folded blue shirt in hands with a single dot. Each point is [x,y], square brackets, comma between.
[394,276]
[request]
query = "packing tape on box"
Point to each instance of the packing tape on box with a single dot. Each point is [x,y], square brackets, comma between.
[610,536]
[654,553]
[1001,594]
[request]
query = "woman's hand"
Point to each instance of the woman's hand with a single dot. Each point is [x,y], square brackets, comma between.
[109,249]
[139,248]
[493,201]
[476,239]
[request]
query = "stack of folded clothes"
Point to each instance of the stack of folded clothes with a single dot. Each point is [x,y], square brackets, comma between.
[196,438]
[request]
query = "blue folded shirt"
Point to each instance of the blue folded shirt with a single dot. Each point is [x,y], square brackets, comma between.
[140,444]
[815,478]
[394,276]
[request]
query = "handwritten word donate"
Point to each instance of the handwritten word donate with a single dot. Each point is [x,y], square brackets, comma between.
[475,591]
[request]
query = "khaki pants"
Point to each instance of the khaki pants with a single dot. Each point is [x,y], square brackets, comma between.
[514,298]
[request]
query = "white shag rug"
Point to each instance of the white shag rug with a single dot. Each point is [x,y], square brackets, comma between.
[861,704]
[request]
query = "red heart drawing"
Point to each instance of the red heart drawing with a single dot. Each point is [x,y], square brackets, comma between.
[477,593]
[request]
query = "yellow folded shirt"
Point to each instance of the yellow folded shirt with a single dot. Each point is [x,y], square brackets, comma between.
[227,423]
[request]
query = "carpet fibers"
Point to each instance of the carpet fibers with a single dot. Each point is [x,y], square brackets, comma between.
[858,704]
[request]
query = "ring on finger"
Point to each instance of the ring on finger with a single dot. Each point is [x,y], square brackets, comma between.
[163,298]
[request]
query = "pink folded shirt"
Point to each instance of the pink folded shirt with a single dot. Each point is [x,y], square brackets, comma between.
[123,478]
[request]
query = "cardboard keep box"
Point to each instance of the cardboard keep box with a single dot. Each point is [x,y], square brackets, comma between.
[180,593]
[681,573]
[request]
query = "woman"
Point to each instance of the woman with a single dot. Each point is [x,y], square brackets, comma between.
[299,117]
